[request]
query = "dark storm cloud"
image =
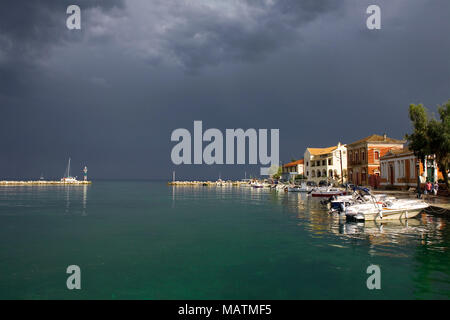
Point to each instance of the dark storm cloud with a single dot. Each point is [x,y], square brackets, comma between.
[110,95]
[30,29]
[197,33]
[253,29]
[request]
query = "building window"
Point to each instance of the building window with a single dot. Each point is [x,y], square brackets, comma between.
[324,173]
[318,173]
[363,155]
[356,156]
[307,173]
[313,173]
[377,155]
[330,173]
[318,163]
[307,163]
[330,162]
[350,176]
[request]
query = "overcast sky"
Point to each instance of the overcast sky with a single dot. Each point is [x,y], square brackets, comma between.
[109,95]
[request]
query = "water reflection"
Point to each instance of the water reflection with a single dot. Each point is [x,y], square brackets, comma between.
[85,187]
[388,238]
[78,194]
[45,199]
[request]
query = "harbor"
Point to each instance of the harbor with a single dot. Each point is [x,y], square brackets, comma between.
[148,240]
[396,204]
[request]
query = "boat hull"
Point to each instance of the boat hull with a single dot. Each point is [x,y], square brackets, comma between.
[386,214]
[327,194]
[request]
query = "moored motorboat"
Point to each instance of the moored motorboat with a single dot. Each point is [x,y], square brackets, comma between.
[327,192]
[386,209]
[257,185]
[294,188]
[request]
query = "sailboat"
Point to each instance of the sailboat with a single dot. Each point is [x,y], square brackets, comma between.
[67,178]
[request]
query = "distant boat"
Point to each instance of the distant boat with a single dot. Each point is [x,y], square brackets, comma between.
[67,178]
[327,192]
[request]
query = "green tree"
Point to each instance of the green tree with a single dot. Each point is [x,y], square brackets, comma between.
[431,136]
[439,139]
[278,174]
[418,139]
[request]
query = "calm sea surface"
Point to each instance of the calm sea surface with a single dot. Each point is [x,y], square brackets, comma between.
[147,240]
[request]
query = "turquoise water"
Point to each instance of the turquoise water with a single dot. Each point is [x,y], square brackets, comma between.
[147,240]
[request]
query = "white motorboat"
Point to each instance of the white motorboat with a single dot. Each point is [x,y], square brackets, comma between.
[386,209]
[281,187]
[327,192]
[295,188]
[257,185]
[339,203]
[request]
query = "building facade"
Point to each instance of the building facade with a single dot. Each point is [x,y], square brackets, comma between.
[399,169]
[363,161]
[329,164]
[292,169]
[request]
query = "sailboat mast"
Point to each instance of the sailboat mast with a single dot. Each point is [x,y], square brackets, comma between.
[68,169]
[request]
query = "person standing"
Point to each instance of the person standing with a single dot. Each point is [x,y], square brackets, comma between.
[435,188]
[428,187]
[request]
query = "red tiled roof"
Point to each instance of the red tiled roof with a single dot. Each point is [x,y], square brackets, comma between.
[378,138]
[294,163]
[397,152]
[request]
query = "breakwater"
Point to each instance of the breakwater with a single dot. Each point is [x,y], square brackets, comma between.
[41,182]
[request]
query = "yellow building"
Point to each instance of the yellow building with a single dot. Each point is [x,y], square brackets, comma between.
[326,164]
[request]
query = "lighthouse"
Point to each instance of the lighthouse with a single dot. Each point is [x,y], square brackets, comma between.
[85,173]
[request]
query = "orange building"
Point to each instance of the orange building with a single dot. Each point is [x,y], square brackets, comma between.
[398,169]
[363,158]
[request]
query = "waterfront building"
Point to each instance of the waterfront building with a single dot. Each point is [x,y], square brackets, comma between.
[398,169]
[329,164]
[292,169]
[363,161]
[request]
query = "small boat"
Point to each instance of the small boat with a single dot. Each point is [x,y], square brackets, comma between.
[294,189]
[384,210]
[303,188]
[327,192]
[281,187]
[257,185]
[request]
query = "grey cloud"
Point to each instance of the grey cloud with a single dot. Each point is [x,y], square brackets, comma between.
[194,34]
[29,30]
[311,69]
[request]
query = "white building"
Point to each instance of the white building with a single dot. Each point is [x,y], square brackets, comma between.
[398,169]
[292,169]
[329,164]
